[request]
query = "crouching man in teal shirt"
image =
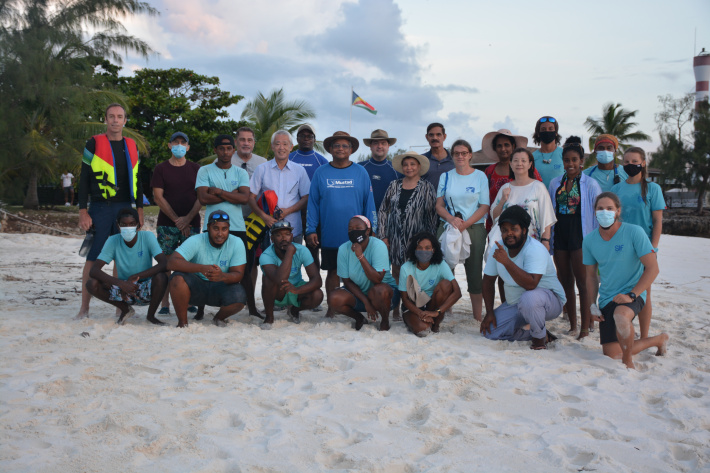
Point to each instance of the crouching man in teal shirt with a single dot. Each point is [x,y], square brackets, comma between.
[282,284]
[207,270]
[138,282]
[368,285]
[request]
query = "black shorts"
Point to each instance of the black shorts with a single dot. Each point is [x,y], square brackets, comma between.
[568,232]
[213,294]
[607,329]
[251,254]
[329,258]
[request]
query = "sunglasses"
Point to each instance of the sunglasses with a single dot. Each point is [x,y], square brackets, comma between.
[219,217]
[547,119]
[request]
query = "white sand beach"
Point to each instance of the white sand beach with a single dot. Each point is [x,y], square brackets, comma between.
[320,396]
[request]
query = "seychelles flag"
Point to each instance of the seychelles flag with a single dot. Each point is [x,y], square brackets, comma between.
[359,102]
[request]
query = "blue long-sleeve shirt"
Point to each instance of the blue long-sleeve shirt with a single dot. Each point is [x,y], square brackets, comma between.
[336,196]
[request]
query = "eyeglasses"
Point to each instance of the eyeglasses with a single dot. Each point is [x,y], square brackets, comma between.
[547,119]
[345,146]
[219,217]
[461,154]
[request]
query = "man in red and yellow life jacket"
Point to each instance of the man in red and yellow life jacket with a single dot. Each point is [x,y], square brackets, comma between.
[109,175]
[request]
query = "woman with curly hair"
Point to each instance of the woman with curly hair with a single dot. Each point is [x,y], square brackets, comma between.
[427,285]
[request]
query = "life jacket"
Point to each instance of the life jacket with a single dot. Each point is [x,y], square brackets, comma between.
[256,229]
[103,169]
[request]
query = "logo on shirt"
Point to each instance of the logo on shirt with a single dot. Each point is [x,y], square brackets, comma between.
[234,183]
[140,254]
[340,183]
[376,177]
[557,166]
[431,282]
[293,270]
[619,247]
[472,190]
[223,262]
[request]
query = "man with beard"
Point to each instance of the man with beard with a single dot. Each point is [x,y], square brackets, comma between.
[207,271]
[378,166]
[282,283]
[533,293]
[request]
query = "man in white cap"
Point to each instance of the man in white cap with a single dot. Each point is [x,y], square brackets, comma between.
[378,166]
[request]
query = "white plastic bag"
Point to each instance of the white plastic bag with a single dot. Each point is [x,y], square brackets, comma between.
[456,245]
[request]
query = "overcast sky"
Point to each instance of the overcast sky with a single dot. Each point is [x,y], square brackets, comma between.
[474,66]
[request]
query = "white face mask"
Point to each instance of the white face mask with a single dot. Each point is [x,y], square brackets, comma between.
[128,233]
[605,157]
[606,218]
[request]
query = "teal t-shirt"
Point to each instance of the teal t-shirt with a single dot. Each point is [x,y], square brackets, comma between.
[619,260]
[198,249]
[130,261]
[375,253]
[302,257]
[549,170]
[228,180]
[427,278]
[606,178]
[464,194]
[634,209]
[533,259]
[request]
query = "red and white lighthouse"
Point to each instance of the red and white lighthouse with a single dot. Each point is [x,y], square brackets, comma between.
[701,68]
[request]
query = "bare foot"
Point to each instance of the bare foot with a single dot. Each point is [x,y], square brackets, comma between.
[629,364]
[384,326]
[125,316]
[82,314]
[663,347]
[395,314]
[155,321]
[359,322]
[329,313]
[582,334]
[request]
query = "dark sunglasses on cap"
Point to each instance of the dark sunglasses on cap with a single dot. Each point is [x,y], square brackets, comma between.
[547,119]
[218,217]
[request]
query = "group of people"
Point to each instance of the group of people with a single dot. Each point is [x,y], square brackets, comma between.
[376,227]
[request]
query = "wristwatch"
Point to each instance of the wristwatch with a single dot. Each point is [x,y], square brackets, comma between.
[632,295]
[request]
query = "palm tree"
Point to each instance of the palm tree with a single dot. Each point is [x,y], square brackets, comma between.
[267,115]
[46,77]
[615,121]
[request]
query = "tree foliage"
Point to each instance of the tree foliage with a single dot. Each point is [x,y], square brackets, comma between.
[616,121]
[687,164]
[47,82]
[163,101]
[268,114]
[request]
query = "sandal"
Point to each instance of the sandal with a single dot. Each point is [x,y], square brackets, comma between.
[539,344]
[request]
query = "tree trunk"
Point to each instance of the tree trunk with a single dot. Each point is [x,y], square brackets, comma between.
[31,199]
[701,201]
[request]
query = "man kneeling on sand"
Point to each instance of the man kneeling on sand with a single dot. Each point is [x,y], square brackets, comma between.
[627,266]
[282,283]
[368,285]
[533,293]
[138,282]
[207,270]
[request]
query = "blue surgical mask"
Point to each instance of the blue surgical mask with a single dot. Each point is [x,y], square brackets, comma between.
[128,233]
[605,218]
[179,151]
[605,157]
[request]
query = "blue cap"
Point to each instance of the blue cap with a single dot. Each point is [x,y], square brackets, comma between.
[179,134]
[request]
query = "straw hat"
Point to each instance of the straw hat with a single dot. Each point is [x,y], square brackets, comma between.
[423,162]
[379,135]
[487,145]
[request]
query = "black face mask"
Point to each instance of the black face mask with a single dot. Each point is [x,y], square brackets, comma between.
[632,169]
[357,236]
[548,137]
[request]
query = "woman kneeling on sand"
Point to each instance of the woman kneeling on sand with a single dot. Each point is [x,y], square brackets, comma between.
[427,285]
[627,266]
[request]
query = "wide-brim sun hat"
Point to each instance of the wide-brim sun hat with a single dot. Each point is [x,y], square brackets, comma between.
[423,162]
[379,135]
[341,135]
[487,143]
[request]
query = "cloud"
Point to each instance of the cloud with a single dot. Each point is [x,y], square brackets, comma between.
[506,124]
[370,32]
[455,88]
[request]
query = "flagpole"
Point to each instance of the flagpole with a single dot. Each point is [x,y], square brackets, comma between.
[350,124]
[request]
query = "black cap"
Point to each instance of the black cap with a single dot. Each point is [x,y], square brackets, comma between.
[224,140]
[179,134]
[516,215]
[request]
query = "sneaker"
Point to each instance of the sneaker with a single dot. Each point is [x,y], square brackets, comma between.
[296,319]
[67,204]
[164,311]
